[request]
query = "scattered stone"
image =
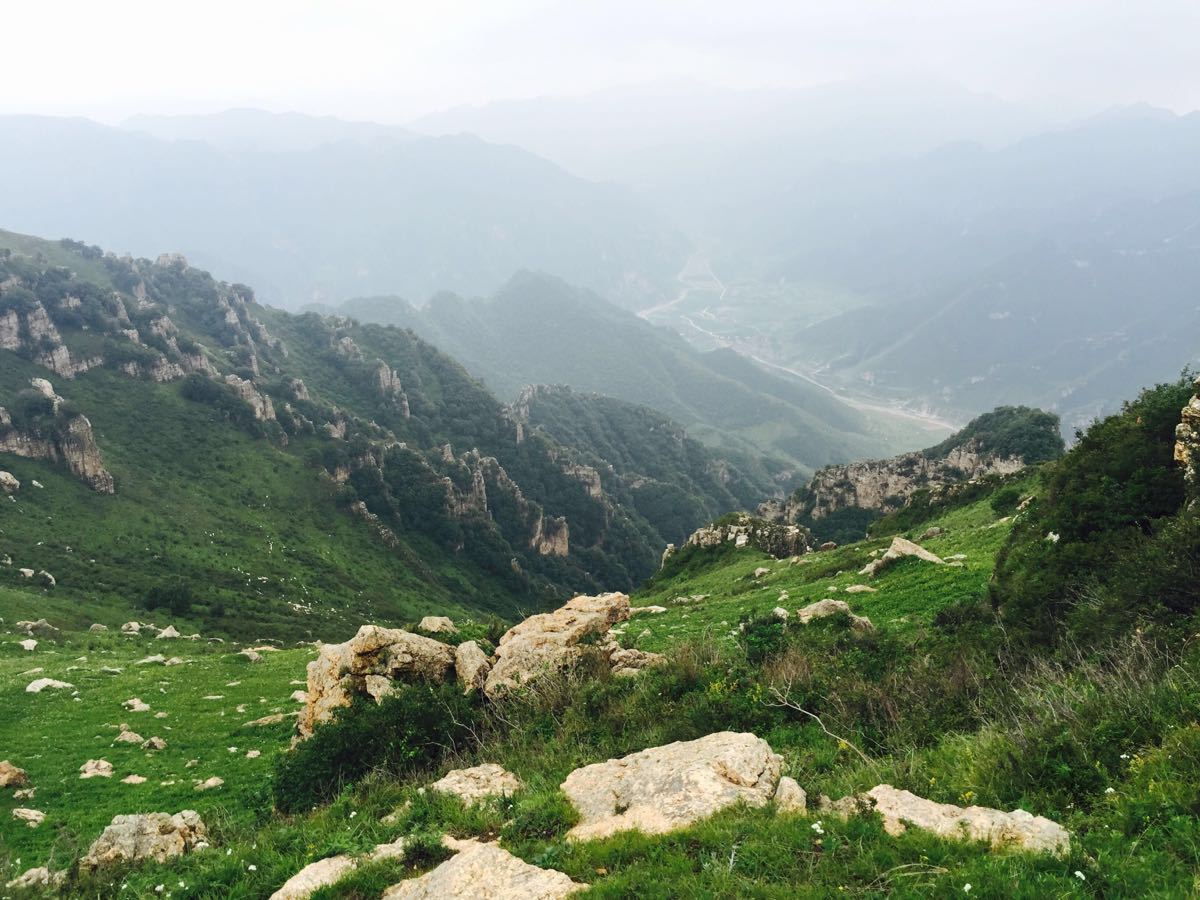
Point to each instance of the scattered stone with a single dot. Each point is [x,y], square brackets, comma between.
[478,783]
[24,794]
[127,737]
[824,608]
[209,783]
[154,743]
[155,836]
[168,633]
[931,532]
[368,664]
[41,684]
[96,768]
[28,644]
[861,589]
[253,754]
[437,625]
[11,776]
[133,779]
[97,628]
[549,642]
[485,871]
[828,545]
[665,788]
[41,628]
[899,549]
[174,661]
[156,659]
[314,876]
[251,655]
[300,696]
[1017,830]
[31,879]
[110,670]
[646,610]
[761,571]
[627,662]
[31,817]
[136,704]
[471,666]
[273,719]
[780,613]
[131,628]
[789,796]
[9,483]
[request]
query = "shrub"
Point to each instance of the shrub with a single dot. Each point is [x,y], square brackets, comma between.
[410,730]
[176,595]
[1005,500]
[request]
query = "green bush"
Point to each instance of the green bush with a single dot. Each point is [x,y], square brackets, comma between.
[1005,500]
[410,730]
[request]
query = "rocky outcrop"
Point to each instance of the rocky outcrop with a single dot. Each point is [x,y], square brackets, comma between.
[589,476]
[264,410]
[1187,441]
[147,836]
[11,776]
[69,441]
[368,665]
[387,385]
[332,869]
[9,483]
[471,666]
[670,787]
[823,609]
[437,625]
[551,536]
[1016,830]
[478,783]
[550,642]
[487,872]
[899,549]
[773,538]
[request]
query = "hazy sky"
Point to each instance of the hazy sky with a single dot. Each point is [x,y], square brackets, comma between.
[393,59]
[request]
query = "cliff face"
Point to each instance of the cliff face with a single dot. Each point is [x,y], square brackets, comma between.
[742,530]
[64,438]
[1187,441]
[885,484]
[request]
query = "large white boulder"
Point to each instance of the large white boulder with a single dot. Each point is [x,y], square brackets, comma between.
[369,664]
[665,788]
[478,783]
[899,549]
[156,836]
[824,608]
[485,872]
[549,642]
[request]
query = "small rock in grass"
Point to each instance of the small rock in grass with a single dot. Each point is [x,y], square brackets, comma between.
[41,684]
[133,779]
[96,768]
[31,817]
[209,783]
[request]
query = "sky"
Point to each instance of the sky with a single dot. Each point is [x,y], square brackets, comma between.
[393,60]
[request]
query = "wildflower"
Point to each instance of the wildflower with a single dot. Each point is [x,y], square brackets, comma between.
[1109,790]
[1080,875]
[967,888]
[816,826]
[252,867]
[158,888]
[1124,756]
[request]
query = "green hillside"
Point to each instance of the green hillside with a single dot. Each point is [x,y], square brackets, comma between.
[539,330]
[946,696]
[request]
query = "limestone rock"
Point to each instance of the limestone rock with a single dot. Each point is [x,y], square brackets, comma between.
[273,719]
[824,608]
[131,628]
[29,644]
[168,633]
[9,483]
[260,404]
[154,743]
[899,549]
[471,666]
[135,704]
[133,779]
[646,610]
[1017,830]
[97,628]
[549,642]
[209,784]
[127,737]
[437,625]
[41,628]
[41,684]
[314,876]
[11,776]
[761,571]
[1187,441]
[861,589]
[477,783]
[146,836]
[32,879]
[96,768]
[665,788]
[31,817]
[789,796]
[368,664]
[251,655]
[773,538]
[300,696]
[156,659]
[485,872]
[627,661]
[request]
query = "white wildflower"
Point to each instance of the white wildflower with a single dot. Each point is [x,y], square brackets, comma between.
[1080,875]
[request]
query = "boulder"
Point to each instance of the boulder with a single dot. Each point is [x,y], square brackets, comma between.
[824,608]
[300,696]
[931,532]
[368,664]
[314,876]
[133,779]
[154,743]
[41,628]
[209,784]
[136,704]
[1016,830]
[96,768]
[41,684]
[486,872]
[789,796]
[168,633]
[131,628]
[127,737]
[251,655]
[147,836]
[9,483]
[477,783]
[33,879]
[761,571]
[156,659]
[272,719]
[29,644]
[31,817]
[471,666]
[437,625]
[646,610]
[861,589]
[11,776]
[97,628]
[550,642]
[665,788]
[899,549]
[626,662]
[828,545]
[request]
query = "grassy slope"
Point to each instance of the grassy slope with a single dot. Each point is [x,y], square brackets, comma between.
[249,525]
[738,853]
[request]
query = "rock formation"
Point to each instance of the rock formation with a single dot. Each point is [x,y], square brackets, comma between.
[776,539]
[550,642]
[665,788]
[11,776]
[147,836]
[824,608]
[367,665]
[1187,441]
[487,872]
[900,548]
[477,783]
[69,440]
[471,666]
[264,410]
